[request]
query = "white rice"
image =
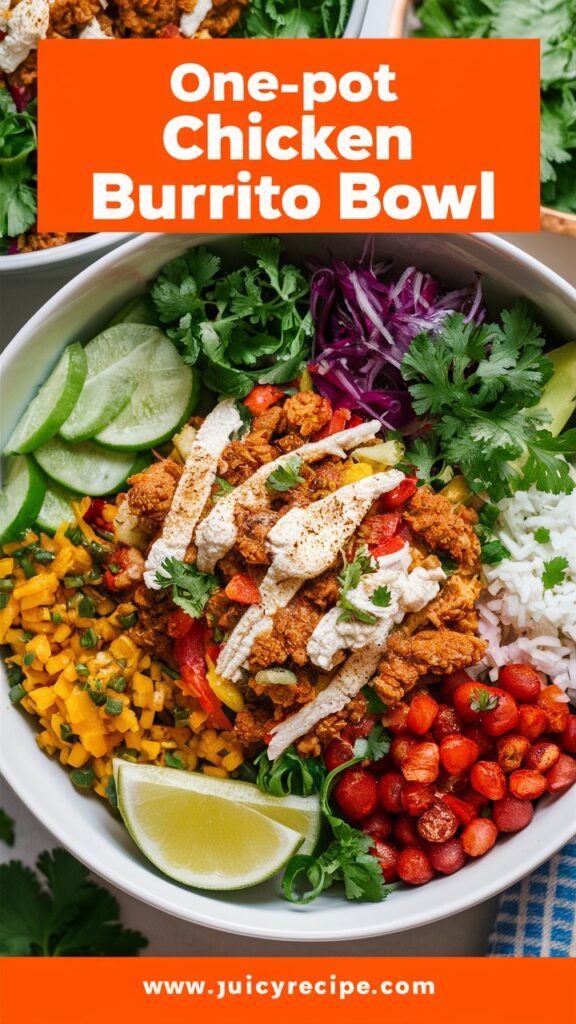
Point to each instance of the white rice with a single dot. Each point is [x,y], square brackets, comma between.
[519,618]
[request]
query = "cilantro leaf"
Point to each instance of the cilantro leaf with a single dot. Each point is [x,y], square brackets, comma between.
[290,774]
[6,828]
[494,552]
[381,597]
[285,477]
[348,580]
[542,535]
[374,704]
[191,589]
[554,572]
[375,746]
[60,912]
[251,325]
[294,19]
[17,167]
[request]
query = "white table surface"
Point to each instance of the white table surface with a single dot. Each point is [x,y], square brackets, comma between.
[461,935]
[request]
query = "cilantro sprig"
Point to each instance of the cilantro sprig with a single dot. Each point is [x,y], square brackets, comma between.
[287,476]
[347,859]
[348,580]
[290,774]
[251,325]
[17,167]
[294,19]
[59,911]
[191,589]
[478,385]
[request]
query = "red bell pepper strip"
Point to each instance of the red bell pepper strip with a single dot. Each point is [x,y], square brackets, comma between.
[400,494]
[388,547]
[339,421]
[179,622]
[94,510]
[262,397]
[242,589]
[189,650]
[377,529]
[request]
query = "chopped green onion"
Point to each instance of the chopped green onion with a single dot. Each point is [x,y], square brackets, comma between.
[66,732]
[127,621]
[171,761]
[29,570]
[113,707]
[114,568]
[56,618]
[42,556]
[169,671]
[97,697]
[118,684]
[7,584]
[75,535]
[181,716]
[82,670]
[72,582]
[16,693]
[88,638]
[110,792]
[276,677]
[25,636]
[82,777]
[130,754]
[4,599]
[87,607]
[28,658]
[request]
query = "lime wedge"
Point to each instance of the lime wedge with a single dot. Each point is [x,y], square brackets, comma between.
[52,404]
[212,833]
[21,497]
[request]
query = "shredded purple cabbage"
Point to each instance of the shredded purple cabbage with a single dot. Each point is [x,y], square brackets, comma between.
[364,326]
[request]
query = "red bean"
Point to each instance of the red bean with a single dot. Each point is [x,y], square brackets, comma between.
[562,775]
[511,814]
[400,746]
[447,723]
[503,718]
[479,836]
[451,683]
[417,798]
[378,824]
[390,790]
[542,756]
[469,698]
[359,730]
[356,794]
[477,734]
[522,681]
[405,830]
[387,854]
[336,753]
[552,700]
[526,784]
[463,809]
[414,866]
[422,713]
[488,779]
[395,719]
[422,763]
[568,737]
[511,749]
[532,721]
[438,823]
[458,753]
[447,857]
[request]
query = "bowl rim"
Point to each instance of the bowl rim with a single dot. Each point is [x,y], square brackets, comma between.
[57,256]
[548,842]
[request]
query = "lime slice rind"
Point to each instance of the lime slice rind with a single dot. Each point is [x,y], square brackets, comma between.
[200,839]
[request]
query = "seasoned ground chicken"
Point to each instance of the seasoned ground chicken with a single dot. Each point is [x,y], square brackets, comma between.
[66,15]
[150,631]
[454,606]
[241,458]
[223,612]
[223,16]
[307,412]
[26,73]
[151,491]
[33,241]
[253,528]
[443,528]
[322,592]
[430,652]
[252,724]
[331,727]
[147,17]
[271,422]
[293,626]
[287,696]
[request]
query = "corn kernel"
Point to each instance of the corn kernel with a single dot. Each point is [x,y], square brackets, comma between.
[232,760]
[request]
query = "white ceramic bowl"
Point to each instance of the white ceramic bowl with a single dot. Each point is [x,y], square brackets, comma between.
[77,255]
[83,824]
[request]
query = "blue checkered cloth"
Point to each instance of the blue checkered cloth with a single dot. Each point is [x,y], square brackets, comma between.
[537,917]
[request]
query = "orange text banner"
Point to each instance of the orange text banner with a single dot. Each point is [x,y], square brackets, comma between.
[334,990]
[294,135]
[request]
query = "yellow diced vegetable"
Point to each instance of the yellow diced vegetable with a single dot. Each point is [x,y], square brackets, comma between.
[78,756]
[6,567]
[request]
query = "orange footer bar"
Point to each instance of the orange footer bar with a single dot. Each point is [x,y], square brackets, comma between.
[323,990]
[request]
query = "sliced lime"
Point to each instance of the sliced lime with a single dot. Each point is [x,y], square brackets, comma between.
[115,359]
[52,404]
[200,837]
[21,497]
[86,468]
[165,395]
